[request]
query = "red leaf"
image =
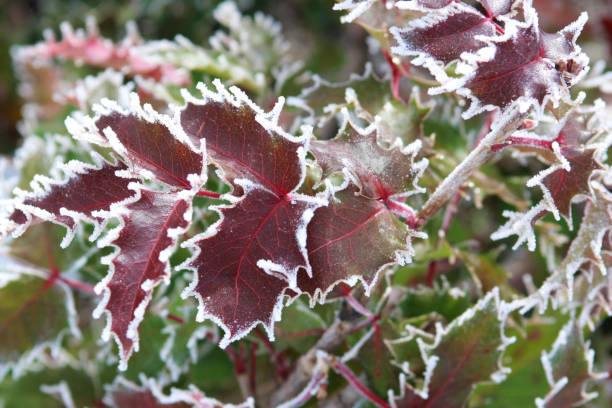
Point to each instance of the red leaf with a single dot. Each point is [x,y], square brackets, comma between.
[243,148]
[150,144]
[380,171]
[352,238]
[525,64]
[563,185]
[144,242]
[86,190]
[244,269]
[444,36]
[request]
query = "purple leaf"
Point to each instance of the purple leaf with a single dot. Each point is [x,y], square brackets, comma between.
[525,65]
[381,171]
[149,231]
[340,232]
[443,36]
[149,143]
[243,148]
[86,190]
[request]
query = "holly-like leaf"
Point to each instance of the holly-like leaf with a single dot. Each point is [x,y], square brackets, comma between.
[86,191]
[35,313]
[568,369]
[145,240]
[126,394]
[563,185]
[242,147]
[337,234]
[246,261]
[245,267]
[465,353]
[525,64]
[183,345]
[151,142]
[443,36]
[90,48]
[379,171]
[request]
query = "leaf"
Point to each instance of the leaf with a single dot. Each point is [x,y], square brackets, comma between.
[125,394]
[525,64]
[337,234]
[563,185]
[90,48]
[242,147]
[183,346]
[86,191]
[245,267]
[151,142]
[35,313]
[465,353]
[443,36]
[35,389]
[150,227]
[246,261]
[446,301]
[381,172]
[568,368]
[355,7]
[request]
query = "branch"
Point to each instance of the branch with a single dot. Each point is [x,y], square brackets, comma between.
[482,153]
[302,375]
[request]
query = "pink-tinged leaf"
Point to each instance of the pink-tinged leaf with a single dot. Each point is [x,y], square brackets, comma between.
[525,65]
[149,141]
[86,191]
[443,36]
[243,148]
[496,8]
[563,185]
[125,394]
[465,353]
[91,49]
[423,4]
[243,270]
[35,313]
[339,234]
[381,172]
[569,370]
[144,242]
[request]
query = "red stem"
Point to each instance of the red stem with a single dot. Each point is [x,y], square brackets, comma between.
[402,210]
[278,358]
[82,286]
[253,369]
[239,366]
[346,372]
[175,318]
[524,141]
[206,193]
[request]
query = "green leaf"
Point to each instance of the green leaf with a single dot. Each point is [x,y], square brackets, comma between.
[568,368]
[462,355]
[35,313]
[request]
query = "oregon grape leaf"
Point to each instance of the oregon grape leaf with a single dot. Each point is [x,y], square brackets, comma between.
[464,354]
[151,144]
[86,190]
[339,232]
[144,241]
[34,314]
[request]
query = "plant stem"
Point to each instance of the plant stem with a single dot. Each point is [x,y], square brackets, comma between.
[206,193]
[346,372]
[477,157]
[82,286]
